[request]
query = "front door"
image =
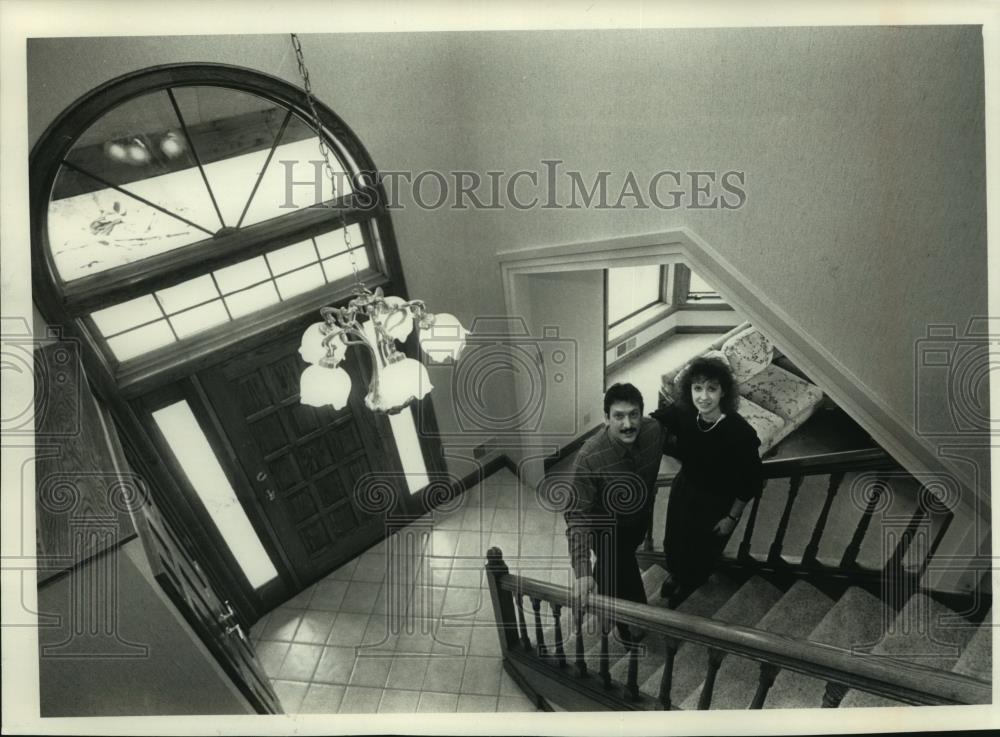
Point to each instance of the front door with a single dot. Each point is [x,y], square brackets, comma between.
[307,467]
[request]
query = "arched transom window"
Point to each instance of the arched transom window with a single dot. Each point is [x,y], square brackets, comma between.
[184,203]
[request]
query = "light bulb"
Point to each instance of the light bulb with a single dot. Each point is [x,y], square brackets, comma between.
[172,145]
[115,150]
[137,152]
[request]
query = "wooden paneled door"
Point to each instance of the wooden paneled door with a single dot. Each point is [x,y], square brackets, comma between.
[311,470]
[172,557]
[212,618]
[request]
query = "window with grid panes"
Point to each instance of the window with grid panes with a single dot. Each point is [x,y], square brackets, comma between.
[192,207]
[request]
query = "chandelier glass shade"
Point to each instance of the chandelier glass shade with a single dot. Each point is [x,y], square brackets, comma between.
[371,320]
[378,323]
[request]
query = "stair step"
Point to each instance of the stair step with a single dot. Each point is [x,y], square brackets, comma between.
[616,652]
[795,614]
[750,604]
[707,598]
[892,521]
[977,659]
[808,503]
[855,621]
[652,578]
[744,605]
[841,522]
[918,634]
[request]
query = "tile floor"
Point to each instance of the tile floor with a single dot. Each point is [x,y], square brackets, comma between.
[408,625]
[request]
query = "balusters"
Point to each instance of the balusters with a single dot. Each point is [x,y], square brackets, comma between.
[876,490]
[647,541]
[536,605]
[605,665]
[504,611]
[632,682]
[560,653]
[812,549]
[522,626]
[744,552]
[666,680]
[581,663]
[774,554]
[714,661]
[898,584]
[768,672]
[833,695]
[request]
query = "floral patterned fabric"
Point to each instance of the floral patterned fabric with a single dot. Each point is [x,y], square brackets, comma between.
[749,352]
[781,392]
[772,400]
[766,424]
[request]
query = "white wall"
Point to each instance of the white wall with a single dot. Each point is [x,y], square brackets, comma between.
[678,320]
[863,151]
[572,302]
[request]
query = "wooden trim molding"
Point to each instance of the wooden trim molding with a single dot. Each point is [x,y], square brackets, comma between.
[682,245]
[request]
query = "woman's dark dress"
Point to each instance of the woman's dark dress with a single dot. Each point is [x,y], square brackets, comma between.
[717,466]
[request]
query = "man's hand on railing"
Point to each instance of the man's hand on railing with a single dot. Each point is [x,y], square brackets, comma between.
[582,586]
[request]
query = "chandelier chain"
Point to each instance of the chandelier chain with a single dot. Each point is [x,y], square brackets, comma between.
[324,150]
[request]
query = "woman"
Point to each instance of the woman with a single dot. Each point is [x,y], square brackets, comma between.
[720,473]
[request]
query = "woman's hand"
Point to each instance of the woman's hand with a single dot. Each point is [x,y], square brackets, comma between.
[724,526]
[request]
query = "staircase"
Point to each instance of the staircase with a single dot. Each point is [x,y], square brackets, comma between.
[817,602]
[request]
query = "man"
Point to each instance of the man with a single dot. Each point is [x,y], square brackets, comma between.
[613,479]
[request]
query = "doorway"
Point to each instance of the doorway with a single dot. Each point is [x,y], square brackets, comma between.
[306,468]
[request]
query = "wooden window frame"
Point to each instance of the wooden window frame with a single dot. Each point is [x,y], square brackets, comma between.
[659,298]
[123,387]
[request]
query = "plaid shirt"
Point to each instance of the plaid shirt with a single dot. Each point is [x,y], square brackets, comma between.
[612,488]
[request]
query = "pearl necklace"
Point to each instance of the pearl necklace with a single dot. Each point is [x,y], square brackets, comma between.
[712,426]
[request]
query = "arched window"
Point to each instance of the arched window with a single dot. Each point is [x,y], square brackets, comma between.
[186,207]
[185,231]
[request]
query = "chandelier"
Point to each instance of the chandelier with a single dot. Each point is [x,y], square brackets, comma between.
[397,381]
[371,320]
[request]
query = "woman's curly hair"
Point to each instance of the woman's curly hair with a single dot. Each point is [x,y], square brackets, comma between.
[710,369]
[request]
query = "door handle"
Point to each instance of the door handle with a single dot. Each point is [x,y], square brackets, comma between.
[229,616]
[235,629]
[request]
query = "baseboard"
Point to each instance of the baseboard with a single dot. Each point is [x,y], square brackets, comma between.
[505,461]
[570,448]
[655,343]
[481,472]
[526,686]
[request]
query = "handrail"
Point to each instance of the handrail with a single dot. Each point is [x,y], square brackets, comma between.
[896,679]
[820,463]
[865,459]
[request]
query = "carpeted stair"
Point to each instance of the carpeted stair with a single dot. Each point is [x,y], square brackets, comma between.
[832,612]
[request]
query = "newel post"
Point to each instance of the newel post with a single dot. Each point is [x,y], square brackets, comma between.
[503,602]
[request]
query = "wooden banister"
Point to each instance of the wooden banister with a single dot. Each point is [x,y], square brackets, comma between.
[822,463]
[894,679]
[836,464]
